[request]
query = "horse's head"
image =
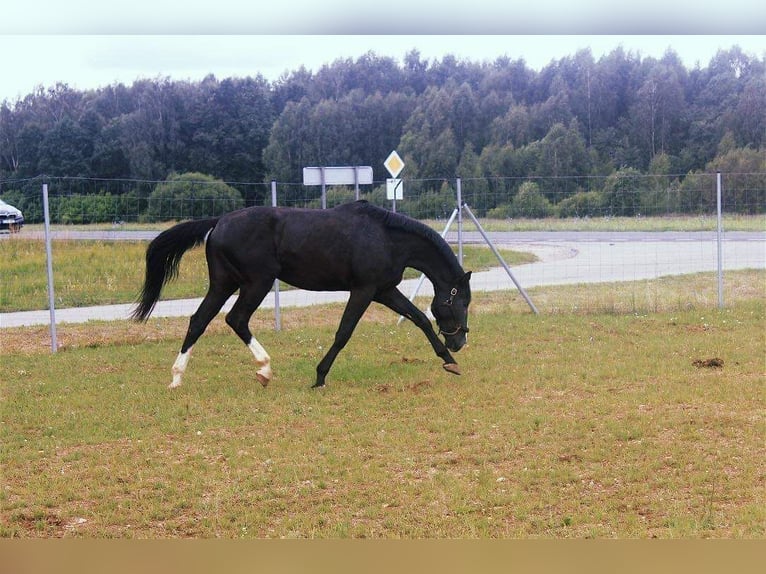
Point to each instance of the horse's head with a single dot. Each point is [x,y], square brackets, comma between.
[450,309]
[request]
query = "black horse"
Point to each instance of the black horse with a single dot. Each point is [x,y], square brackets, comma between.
[354,247]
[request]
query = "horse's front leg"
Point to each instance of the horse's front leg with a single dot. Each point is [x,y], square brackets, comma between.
[357,304]
[397,302]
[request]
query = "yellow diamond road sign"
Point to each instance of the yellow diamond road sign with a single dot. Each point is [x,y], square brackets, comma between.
[394,164]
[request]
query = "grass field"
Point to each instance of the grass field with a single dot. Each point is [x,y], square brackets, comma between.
[580,422]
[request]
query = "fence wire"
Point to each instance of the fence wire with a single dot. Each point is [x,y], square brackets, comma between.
[613,239]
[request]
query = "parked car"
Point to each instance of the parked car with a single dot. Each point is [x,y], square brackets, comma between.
[11,218]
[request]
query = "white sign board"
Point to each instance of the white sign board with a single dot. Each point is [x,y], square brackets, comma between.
[394,164]
[394,189]
[361,174]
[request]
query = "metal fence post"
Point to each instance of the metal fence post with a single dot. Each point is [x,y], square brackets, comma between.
[277,310]
[459,221]
[719,239]
[324,190]
[49,256]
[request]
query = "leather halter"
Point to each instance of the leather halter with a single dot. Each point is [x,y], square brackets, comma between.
[448,303]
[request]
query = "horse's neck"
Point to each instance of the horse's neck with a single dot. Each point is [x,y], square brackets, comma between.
[428,259]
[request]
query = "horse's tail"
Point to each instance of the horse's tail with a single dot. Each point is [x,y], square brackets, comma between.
[163,257]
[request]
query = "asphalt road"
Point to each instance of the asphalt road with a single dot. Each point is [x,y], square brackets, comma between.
[563,258]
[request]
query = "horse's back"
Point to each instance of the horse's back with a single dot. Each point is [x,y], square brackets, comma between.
[333,249]
[329,249]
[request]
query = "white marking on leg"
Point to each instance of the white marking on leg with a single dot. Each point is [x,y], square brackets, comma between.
[263,360]
[179,368]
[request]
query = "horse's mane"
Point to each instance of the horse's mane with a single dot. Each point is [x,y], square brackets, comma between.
[408,224]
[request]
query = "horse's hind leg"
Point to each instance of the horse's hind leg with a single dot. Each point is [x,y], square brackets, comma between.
[198,322]
[238,319]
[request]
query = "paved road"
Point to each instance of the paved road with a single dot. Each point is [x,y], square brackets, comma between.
[564,258]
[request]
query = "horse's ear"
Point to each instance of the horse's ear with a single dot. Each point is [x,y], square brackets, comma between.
[467,277]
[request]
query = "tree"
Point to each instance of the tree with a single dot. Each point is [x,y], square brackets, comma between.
[513,127]
[10,127]
[613,85]
[749,118]
[530,202]
[622,192]
[228,129]
[431,157]
[65,150]
[109,158]
[291,146]
[744,183]
[191,195]
[660,195]
[475,188]
[581,204]
[441,124]
[509,78]
[415,71]
[715,103]
[656,112]
[356,129]
[564,159]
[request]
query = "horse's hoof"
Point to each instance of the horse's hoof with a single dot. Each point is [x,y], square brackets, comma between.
[261,379]
[317,385]
[264,375]
[452,368]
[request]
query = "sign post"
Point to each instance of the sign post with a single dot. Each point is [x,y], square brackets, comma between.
[324,176]
[394,188]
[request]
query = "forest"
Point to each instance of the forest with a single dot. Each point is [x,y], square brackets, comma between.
[577,117]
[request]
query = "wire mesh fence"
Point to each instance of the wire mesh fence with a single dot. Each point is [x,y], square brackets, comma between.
[625,194]
[615,238]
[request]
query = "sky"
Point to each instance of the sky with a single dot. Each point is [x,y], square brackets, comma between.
[89,45]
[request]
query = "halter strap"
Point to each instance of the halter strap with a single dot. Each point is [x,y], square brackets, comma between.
[455,332]
[452,294]
[448,302]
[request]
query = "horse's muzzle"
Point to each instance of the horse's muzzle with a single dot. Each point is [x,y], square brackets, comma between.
[455,342]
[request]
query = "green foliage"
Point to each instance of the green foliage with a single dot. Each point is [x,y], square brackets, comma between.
[502,211]
[696,193]
[191,195]
[621,192]
[745,170]
[582,204]
[530,202]
[335,196]
[562,157]
[84,209]
[439,204]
